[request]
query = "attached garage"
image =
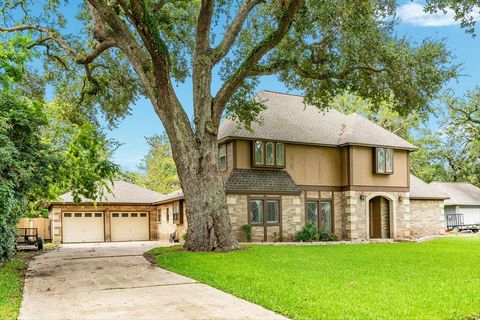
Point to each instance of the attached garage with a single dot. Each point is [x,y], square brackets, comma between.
[83,227]
[129,226]
[127,212]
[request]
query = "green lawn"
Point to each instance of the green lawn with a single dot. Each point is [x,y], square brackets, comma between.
[439,279]
[11,286]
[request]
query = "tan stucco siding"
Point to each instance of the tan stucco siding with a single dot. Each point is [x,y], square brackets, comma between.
[311,165]
[344,163]
[243,154]
[362,169]
[308,165]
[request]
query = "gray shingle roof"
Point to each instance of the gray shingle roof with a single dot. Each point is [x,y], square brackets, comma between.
[287,118]
[261,181]
[175,195]
[122,192]
[461,193]
[419,189]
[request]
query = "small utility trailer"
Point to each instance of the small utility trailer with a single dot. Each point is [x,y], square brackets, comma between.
[28,239]
[465,227]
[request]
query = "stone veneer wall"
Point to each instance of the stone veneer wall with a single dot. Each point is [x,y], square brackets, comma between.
[292,218]
[427,218]
[356,219]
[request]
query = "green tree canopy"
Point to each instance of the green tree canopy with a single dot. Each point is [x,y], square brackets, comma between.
[157,170]
[42,154]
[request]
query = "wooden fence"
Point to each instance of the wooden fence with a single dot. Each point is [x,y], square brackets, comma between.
[43,225]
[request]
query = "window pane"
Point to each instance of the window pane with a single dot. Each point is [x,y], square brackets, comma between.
[98,215]
[280,155]
[88,214]
[159,215]
[326,215]
[312,212]
[273,211]
[256,211]
[380,160]
[134,215]
[258,152]
[389,160]
[269,153]
[223,157]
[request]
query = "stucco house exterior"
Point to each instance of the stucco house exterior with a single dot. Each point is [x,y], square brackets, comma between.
[463,205]
[300,164]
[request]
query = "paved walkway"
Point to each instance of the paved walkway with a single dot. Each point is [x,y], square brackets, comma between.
[114,281]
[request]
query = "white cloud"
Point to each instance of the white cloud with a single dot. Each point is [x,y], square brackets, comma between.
[412,13]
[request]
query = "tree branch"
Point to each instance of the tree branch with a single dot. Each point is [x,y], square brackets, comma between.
[98,50]
[269,42]
[51,34]
[233,30]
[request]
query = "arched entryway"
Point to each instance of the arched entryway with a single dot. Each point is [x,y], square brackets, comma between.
[379,218]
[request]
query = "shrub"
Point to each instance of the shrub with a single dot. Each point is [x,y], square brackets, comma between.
[308,233]
[247,231]
[325,235]
[185,237]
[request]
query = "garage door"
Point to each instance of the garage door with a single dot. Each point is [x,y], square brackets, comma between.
[83,227]
[129,226]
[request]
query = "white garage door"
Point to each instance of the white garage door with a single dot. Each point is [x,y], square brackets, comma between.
[129,226]
[471,215]
[83,227]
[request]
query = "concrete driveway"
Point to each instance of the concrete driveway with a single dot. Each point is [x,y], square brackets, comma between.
[114,281]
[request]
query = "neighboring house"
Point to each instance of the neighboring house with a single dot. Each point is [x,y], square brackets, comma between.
[463,207]
[300,164]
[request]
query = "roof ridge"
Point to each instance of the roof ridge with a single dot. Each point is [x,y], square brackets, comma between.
[283,93]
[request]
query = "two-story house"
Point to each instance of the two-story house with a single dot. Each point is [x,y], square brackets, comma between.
[300,164]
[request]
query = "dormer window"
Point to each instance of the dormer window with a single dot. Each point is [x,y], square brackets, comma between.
[383,161]
[268,154]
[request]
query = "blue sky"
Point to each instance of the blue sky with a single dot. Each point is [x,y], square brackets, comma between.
[415,25]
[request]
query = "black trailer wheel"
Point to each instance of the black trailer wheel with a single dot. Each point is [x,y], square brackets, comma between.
[39,243]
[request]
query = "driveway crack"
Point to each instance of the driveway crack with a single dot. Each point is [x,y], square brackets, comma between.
[151,286]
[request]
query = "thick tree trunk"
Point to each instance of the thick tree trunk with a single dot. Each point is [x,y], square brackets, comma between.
[209,226]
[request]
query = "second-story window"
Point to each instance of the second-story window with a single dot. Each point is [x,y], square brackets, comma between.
[383,161]
[268,154]
[280,154]
[258,153]
[222,154]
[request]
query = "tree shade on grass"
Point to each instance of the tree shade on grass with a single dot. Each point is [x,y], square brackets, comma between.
[11,286]
[433,280]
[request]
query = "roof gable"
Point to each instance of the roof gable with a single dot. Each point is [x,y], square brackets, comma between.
[286,118]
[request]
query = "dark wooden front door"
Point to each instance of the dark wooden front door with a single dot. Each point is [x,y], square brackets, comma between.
[375,218]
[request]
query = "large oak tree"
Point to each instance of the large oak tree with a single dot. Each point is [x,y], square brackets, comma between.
[122,49]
